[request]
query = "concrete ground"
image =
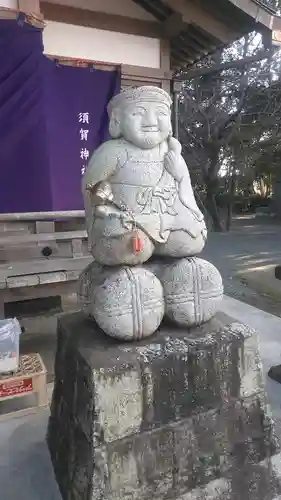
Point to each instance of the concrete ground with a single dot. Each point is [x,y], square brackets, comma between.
[253,242]
[25,468]
[261,279]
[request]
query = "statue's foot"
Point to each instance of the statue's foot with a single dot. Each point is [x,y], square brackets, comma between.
[193,291]
[181,244]
[131,249]
[128,303]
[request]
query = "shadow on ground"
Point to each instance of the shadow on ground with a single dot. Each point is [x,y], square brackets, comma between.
[25,468]
[253,241]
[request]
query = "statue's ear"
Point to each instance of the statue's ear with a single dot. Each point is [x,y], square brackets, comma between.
[114,125]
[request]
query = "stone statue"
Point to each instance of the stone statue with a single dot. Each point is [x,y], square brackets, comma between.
[141,211]
[137,186]
[182,415]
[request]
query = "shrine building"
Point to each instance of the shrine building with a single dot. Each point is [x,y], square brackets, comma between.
[149,42]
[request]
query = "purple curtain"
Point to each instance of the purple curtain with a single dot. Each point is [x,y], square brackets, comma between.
[51,119]
[24,159]
[77,123]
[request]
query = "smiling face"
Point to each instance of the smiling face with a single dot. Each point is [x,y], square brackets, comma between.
[146,124]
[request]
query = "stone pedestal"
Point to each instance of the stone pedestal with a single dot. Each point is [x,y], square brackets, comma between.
[181,415]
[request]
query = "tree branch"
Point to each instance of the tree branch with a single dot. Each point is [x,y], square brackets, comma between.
[216,68]
[232,118]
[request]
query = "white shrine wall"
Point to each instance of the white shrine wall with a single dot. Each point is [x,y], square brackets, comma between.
[9,4]
[67,40]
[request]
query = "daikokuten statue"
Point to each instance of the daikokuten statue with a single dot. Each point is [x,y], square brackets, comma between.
[139,204]
[138,195]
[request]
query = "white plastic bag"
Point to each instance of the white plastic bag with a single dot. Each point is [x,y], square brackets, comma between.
[10,331]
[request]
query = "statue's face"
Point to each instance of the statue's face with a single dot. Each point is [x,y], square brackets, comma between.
[146,124]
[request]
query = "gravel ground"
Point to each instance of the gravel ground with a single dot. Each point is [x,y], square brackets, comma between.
[253,241]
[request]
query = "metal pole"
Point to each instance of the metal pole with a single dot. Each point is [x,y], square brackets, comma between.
[176,115]
[176,94]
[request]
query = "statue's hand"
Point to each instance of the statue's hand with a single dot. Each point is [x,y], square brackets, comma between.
[172,159]
[175,146]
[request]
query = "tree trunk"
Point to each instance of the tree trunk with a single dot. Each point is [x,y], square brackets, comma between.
[231,192]
[263,189]
[212,187]
[212,208]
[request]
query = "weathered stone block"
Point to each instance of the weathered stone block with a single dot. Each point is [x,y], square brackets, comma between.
[250,369]
[179,415]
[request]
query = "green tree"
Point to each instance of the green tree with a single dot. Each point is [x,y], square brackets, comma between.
[230,118]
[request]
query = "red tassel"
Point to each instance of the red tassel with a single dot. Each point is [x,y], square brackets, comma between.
[137,244]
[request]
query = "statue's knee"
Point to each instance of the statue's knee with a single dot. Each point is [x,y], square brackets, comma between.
[181,244]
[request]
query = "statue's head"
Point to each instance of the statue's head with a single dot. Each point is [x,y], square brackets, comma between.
[141,115]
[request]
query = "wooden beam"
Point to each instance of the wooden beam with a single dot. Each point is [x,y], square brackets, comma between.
[173,25]
[165,63]
[276,25]
[197,40]
[253,9]
[186,52]
[31,17]
[143,72]
[100,20]
[192,13]
[276,38]
[181,59]
[134,82]
[137,75]
[216,68]
[29,6]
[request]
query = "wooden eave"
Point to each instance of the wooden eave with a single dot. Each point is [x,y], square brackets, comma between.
[197,28]
[191,29]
